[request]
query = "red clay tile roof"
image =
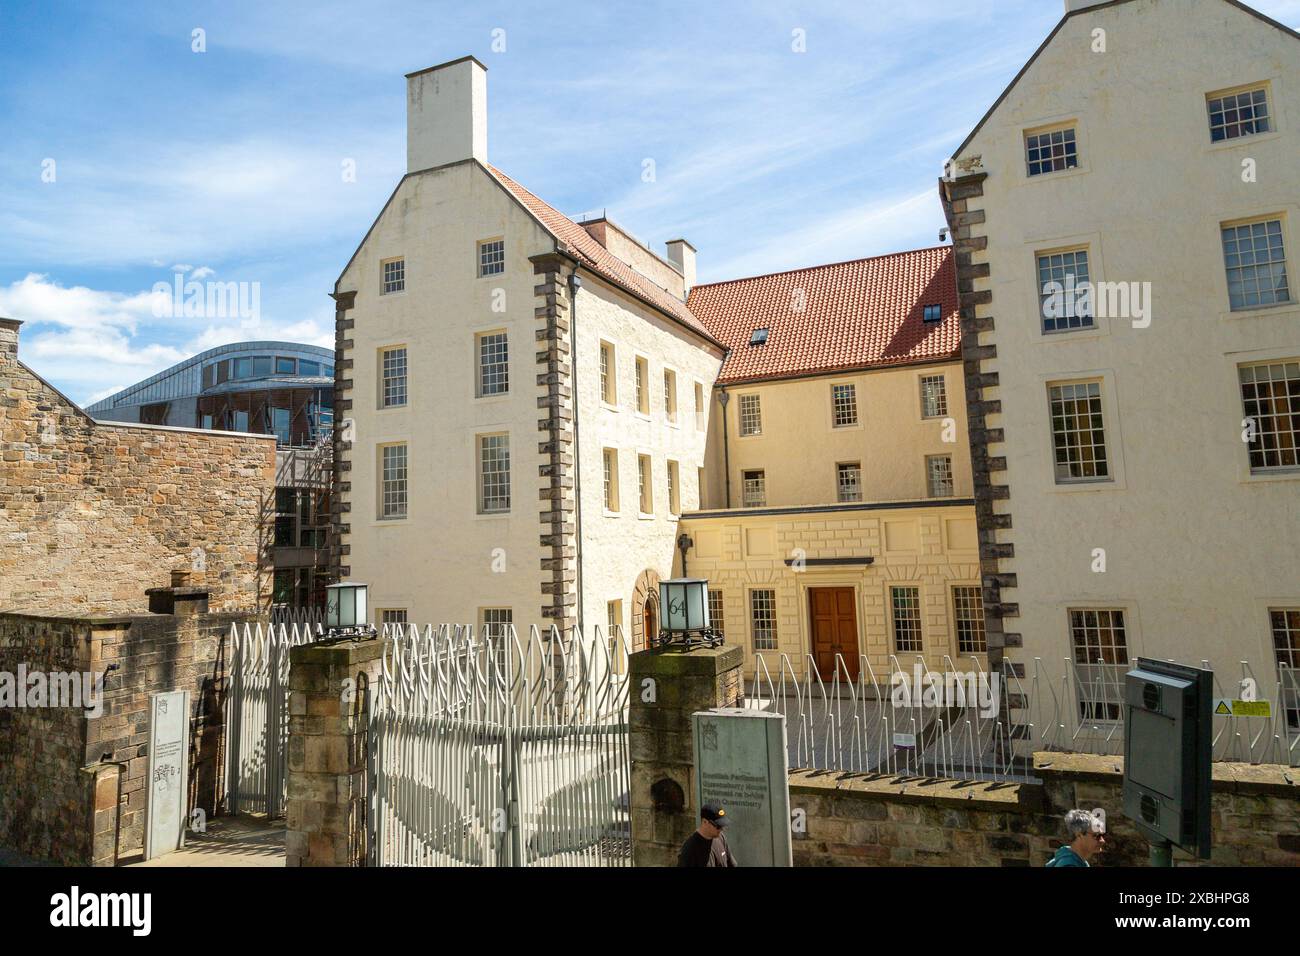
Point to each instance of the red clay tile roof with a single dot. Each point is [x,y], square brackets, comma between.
[578,243]
[858,314]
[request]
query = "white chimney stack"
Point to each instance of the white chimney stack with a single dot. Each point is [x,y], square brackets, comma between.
[446,114]
[682,255]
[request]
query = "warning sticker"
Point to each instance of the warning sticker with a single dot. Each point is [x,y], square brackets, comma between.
[1226,707]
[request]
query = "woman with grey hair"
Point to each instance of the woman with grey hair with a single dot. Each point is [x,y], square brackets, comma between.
[1087,838]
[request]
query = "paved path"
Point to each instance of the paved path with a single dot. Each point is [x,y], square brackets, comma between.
[230,841]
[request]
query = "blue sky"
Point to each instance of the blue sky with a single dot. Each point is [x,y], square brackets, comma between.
[228,162]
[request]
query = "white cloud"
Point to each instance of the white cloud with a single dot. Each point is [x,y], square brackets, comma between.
[86,341]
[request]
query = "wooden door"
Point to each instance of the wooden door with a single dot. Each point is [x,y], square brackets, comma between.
[832,612]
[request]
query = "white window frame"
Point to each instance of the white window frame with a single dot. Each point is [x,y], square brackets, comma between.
[645,477]
[481,367]
[753,490]
[487,262]
[1107,458]
[392,281]
[394,492]
[756,418]
[1240,269]
[940,396]
[763,636]
[609,464]
[1250,90]
[1266,414]
[1068,132]
[394,388]
[848,492]
[939,481]
[674,488]
[608,374]
[641,385]
[851,406]
[670,396]
[481,444]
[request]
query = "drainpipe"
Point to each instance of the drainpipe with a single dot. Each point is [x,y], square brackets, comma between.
[575,283]
[723,398]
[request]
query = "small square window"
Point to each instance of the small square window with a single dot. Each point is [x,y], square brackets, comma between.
[492,257]
[1233,115]
[758,337]
[1051,152]
[394,276]
[933,313]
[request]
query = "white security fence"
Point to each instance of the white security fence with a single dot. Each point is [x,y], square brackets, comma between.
[486,749]
[1082,710]
[909,720]
[257,712]
[964,724]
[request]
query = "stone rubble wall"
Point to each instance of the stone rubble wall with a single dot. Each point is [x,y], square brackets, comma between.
[91,514]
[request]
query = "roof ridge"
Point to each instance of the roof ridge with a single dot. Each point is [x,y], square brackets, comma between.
[824,265]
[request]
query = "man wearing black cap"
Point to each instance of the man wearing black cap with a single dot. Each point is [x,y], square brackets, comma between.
[707,846]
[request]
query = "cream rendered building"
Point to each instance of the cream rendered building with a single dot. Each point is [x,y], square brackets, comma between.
[1136,471]
[493,358]
[837,521]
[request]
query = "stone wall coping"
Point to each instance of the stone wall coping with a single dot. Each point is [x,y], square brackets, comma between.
[97,620]
[106,423]
[680,662]
[1246,778]
[980,795]
[342,654]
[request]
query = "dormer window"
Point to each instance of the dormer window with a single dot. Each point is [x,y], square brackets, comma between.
[758,337]
[934,313]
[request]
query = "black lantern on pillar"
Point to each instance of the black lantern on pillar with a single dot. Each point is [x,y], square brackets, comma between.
[346,608]
[684,605]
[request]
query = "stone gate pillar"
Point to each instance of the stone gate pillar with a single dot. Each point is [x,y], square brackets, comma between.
[667,686]
[327,786]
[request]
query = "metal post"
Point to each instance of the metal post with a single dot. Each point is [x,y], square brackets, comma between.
[1162,853]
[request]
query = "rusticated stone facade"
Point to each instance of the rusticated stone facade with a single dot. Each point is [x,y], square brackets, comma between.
[91,514]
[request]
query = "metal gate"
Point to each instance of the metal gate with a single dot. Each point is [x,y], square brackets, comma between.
[492,751]
[257,719]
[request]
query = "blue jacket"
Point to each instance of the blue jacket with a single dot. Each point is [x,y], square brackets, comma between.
[1067,857]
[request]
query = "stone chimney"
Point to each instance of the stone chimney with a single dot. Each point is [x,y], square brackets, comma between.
[446,114]
[682,255]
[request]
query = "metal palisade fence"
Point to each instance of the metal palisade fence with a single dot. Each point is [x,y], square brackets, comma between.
[257,718]
[909,720]
[973,724]
[1082,710]
[490,749]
